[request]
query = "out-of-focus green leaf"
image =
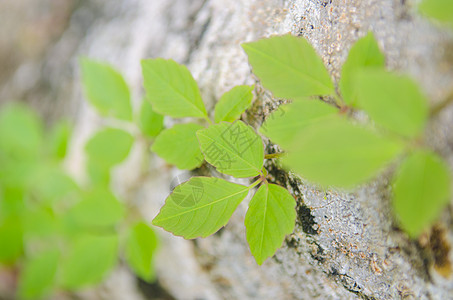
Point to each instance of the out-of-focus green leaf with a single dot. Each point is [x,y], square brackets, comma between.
[11,241]
[338,153]
[58,139]
[200,207]
[288,120]
[394,102]
[171,89]
[89,260]
[99,173]
[364,53]
[109,146]
[233,148]
[179,146]
[150,122]
[270,217]
[233,103]
[106,89]
[39,221]
[289,67]
[38,275]
[441,10]
[421,190]
[140,247]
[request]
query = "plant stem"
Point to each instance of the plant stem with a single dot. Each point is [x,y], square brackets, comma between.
[274,155]
[209,120]
[436,109]
[254,184]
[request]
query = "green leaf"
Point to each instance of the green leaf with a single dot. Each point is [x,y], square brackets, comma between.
[150,122]
[38,275]
[441,10]
[340,154]
[171,89]
[289,67]
[141,245]
[270,217]
[394,102]
[233,148]
[421,190]
[200,207]
[283,125]
[179,146]
[89,260]
[364,53]
[11,241]
[109,146]
[98,208]
[106,89]
[21,132]
[39,222]
[58,139]
[233,103]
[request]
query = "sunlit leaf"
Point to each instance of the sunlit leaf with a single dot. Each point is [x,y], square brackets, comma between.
[421,190]
[394,102]
[58,139]
[200,207]
[179,146]
[106,89]
[288,120]
[270,217]
[171,89]
[364,53]
[289,67]
[338,153]
[89,260]
[151,123]
[140,247]
[38,275]
[233,148]
[441,10]
[109,146]
[233,103]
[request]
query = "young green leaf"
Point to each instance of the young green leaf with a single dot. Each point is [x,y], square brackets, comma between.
[364,53]
[421,189]
[339,153]
[11,241]
[39,222]
[38,275]
[394,102]
[200,207]
[106,89]
[98,208]
[171,89]
[288,120]
[59,139]
[233,103]
[289,67]
[89,260]
[150,122]
[109,146]
[179,146]
[270,217]
[441,10]
[141,245]
[233,148]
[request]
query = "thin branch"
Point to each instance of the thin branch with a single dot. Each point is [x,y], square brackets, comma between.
[436,109]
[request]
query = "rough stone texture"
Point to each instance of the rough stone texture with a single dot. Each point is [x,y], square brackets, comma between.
[345,245]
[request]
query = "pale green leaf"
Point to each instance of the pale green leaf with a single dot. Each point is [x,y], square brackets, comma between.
[289,67]
[39,221]
[270,217]
[89,260]
[421,191]
[233,103]
[364,53]
[288,120]
[200,206]
[338,153]
[109,146]
[106,89]
[233,148]
[150,122]
[171,89]
[179,146]
[394,102]
[441,10]
[140,247]
[98,208]
[38,275]
[58,139]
